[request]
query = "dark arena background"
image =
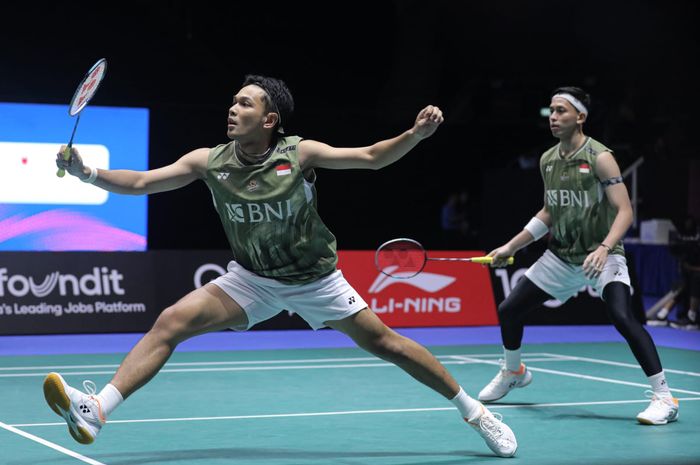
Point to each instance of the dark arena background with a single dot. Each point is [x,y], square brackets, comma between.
[359,73]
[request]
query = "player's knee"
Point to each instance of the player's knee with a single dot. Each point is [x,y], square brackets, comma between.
[170,325]
[390,347]
[506,310]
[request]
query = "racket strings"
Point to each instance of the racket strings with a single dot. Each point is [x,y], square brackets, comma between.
[401,257]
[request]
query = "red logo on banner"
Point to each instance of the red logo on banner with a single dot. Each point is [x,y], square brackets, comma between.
[443,294]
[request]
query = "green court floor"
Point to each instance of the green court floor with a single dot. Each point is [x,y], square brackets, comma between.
[342,406]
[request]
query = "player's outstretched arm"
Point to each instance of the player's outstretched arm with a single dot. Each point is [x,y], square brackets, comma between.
[188,168]
[314,154]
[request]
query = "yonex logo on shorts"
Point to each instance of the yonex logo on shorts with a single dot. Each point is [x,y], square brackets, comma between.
[351,300]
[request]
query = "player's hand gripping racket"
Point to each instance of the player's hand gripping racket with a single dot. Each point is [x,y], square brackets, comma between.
[405,258]
[85,91]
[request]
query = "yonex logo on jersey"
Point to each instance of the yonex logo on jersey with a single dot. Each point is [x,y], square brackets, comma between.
[222,176]
[567,198]
[252,185]
[548,168]
[263,212]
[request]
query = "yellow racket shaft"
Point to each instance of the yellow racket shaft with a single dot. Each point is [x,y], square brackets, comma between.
[488,260]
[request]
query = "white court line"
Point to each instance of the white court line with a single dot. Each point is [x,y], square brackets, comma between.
[243,362]
[50,444]
[588,377]
[359,412]
[457,360]
[252,362]
[620,364]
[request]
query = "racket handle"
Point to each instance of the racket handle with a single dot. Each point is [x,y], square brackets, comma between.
[489,260]
[66,156]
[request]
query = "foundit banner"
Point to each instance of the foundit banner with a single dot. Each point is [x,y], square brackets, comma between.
[76,292]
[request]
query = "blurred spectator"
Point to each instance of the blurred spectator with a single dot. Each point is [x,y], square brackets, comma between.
[458,221]
[685,245]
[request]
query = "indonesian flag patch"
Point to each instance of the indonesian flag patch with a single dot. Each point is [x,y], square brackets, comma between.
[584,168]
[284,170]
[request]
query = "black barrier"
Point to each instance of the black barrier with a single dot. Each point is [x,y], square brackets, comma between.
[97,292]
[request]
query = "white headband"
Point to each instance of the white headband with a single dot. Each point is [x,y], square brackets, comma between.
[574,101]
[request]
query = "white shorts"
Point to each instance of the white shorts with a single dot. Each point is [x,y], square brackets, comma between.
[327,299]
[563,280]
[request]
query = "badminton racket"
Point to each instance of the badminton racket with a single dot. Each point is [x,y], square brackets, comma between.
[405,258]
[85,91]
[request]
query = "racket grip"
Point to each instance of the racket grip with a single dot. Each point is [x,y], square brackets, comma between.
[488,260]
[66,156]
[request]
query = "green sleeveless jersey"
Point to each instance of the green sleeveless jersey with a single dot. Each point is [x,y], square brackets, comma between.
[269,214]
[580,211]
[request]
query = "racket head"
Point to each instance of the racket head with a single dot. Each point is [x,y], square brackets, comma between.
[401,258]
[88,87]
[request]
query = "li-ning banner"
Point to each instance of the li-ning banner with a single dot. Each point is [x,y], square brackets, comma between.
[443,294]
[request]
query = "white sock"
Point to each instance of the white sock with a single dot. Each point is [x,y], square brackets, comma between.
[469,408]
[110,398]
[659,384]
[512,359]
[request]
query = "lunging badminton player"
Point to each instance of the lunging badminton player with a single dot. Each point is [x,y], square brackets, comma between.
[262,183]
[587,211]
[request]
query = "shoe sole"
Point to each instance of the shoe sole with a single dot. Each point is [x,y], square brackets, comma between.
[646,421]
[57,398]
[527,383]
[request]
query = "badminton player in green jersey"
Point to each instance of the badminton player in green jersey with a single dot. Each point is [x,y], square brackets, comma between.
[262,184]
[587,212]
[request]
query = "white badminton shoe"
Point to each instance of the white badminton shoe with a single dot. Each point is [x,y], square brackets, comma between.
[504,382]
[660,411]
[498,436]
[82,412]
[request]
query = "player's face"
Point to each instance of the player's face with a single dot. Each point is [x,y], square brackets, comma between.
[563,117]
[247,114]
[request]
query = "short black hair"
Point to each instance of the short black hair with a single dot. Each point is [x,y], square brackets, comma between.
[577,92]
[278,99]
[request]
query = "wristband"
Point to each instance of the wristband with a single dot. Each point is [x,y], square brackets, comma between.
[607,247]
[537,228]
[93,176]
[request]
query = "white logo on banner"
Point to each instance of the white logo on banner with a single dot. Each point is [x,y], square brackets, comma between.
[102,281]
[203,269]
[429,282]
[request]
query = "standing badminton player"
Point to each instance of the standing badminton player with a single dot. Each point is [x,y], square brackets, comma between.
[262,183]
[587,211]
